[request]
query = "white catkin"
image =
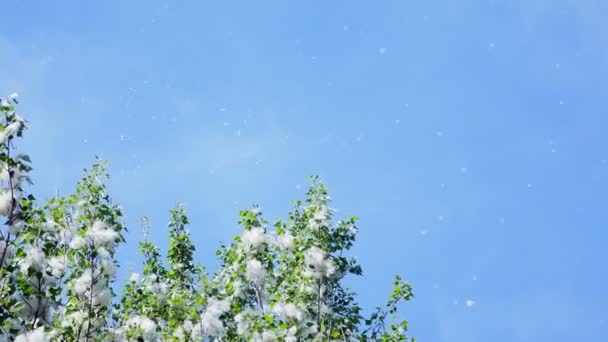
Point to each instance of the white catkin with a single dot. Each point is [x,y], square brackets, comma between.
[266,336]
[322,213]
[10,131]
[238,289]
[319,265]
[217,307]
[35,259]
[16,227]
[36,335]
[12,97]
[291,334]
[134,277]
[286,241]
[243,321]
[288,311]
[253,238]
[7,251]
[4,175]
[147,326]
[82,284]
[210,326]
[6,202]
[57,266]
[78,242]
[101,234]
[255,272]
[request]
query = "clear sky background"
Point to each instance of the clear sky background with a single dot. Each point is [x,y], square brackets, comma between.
[469,136]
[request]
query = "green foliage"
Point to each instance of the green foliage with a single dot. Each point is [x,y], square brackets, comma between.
[276,282]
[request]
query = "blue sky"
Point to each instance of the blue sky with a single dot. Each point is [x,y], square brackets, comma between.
[469,137]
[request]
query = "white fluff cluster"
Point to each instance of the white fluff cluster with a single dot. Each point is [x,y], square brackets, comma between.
[210,324]
[100,234]
[238,289]
[6,202]
[37,335]
[65,234]
[253,238]
[10,250]
[134,277]
[89,282]
[102,297]
[322,213]
[35,306]
[4,175]
[108,267]
[255,272]
[266,336]
[180,332]
[34,258]
[78,242]
[57,266]
[318,265]
[12,97]
[16,177]
[145,325]
[10,130]
[310,332]
[320,217]
[16,227]
[286,241]
[72,319]
[243,321]
[288,311]
[158,288]
[291,335]
[217,307]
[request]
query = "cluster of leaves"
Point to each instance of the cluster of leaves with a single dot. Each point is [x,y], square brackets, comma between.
[57,271]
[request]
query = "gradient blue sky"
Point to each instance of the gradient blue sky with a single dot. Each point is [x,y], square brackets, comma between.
[469,136]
